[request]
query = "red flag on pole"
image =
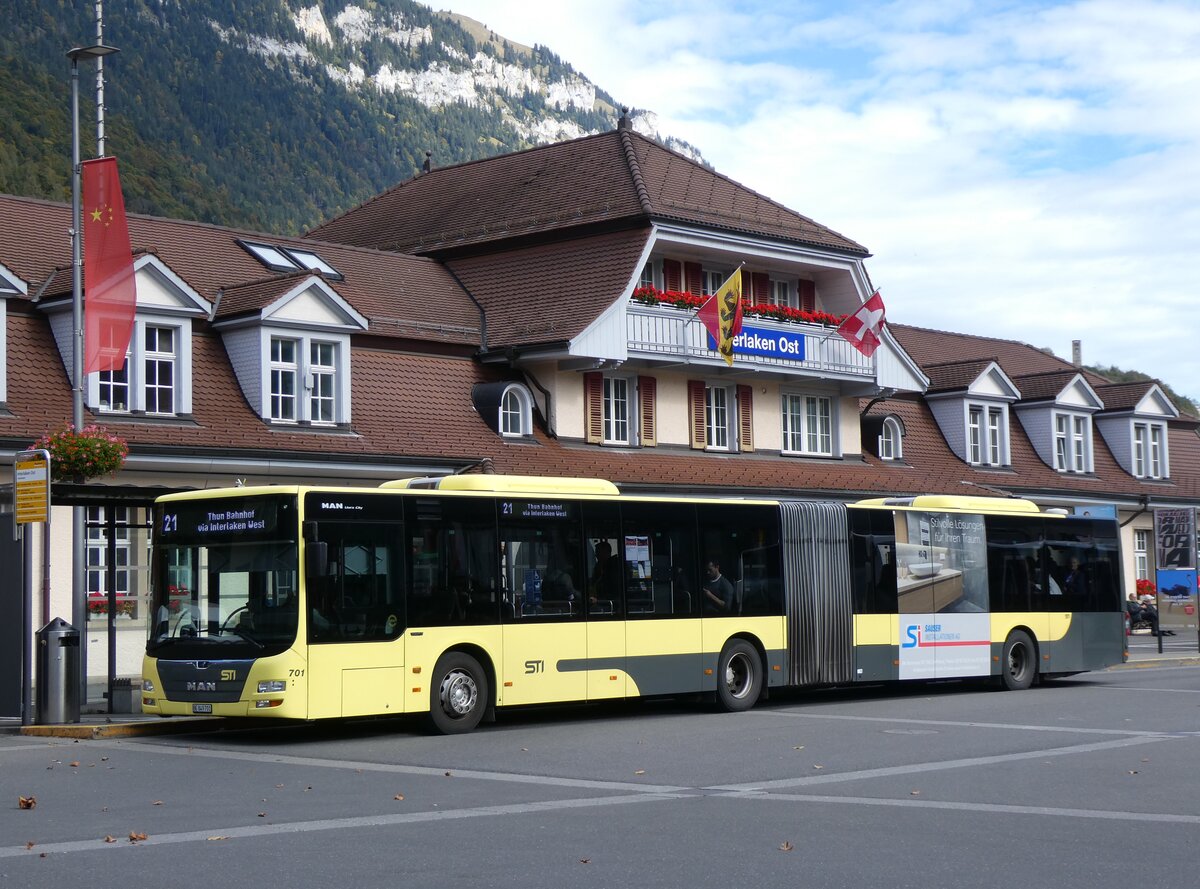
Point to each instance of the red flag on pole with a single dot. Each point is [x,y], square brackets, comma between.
[721,314]
[110,299]
[864,329]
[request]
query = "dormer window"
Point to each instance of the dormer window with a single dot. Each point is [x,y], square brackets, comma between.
[890,443]
[1072,442]
[1149,450]
[987,435]
[152,380]
[516,412]
[308,364]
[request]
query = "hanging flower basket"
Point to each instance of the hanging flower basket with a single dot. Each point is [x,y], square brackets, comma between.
[78,456]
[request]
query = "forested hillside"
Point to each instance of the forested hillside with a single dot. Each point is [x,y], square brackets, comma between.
[273,114]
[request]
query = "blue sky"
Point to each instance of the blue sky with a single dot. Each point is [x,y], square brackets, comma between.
[1026,170]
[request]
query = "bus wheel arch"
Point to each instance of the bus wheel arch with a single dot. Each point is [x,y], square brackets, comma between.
[1018,660]
[741,674]
[460,691]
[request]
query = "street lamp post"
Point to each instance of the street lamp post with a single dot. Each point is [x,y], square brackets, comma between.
[78,567]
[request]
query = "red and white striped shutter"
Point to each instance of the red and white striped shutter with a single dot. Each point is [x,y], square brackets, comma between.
[593,407]
[693,271]
[672,275]
[696,414]
[647,389]
[760,287]
[808,296]
[745,406]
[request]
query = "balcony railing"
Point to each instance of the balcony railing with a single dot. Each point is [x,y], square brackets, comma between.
[666,333]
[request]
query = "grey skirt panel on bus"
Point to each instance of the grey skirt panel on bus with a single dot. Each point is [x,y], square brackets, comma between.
[816,572]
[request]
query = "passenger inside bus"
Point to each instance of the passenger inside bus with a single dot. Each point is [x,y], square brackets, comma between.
[718,590]
[604,588]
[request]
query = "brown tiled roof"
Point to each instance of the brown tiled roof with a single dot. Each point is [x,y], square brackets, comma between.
[402,296]
[615,179]
[1124,396]
[551,292]
[953,375]
[935,346]
[1048,384]
[254,296]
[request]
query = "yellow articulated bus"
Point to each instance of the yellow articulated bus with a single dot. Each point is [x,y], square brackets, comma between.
[454,596]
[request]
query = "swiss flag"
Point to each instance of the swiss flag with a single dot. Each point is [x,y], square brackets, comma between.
[864,329]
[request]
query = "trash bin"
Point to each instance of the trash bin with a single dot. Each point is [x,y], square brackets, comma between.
[57,673]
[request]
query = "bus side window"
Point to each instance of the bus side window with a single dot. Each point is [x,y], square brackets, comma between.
[873,561]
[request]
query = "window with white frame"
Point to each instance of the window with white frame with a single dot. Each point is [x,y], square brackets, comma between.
[783,294]
[711,281]
[516,412]
[1072,442]
[159,363]
[1141,554]
[284,373]
[97,562]
[154,378]
[322,374]
[647,276]
[890,444]
[113,386]
[304,378]
[617,410]
[986,428]
[808,424]
[718,418]
[1149,450]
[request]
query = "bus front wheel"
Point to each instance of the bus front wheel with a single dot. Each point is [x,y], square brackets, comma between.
[739,676]
[1018,664]
[458,696]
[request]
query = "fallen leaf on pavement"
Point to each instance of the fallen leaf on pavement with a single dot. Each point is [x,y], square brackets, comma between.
[398,796]
[134,836]
[26,802]
[785,846]
[110,839]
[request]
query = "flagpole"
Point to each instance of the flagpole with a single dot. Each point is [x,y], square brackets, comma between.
[78,530]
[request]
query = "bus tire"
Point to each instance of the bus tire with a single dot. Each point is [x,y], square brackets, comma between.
[458,695]
[739,676]
[1018,663]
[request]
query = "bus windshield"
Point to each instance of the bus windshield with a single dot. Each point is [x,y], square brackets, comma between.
[224,578]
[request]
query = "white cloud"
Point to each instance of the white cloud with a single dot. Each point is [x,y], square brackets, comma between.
[1024,170]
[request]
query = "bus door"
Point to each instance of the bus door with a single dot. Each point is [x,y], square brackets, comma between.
[662,595]
[354,619]
[607,580]
[542,602]
[942,589]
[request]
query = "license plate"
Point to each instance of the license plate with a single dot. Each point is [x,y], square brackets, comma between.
[202,708]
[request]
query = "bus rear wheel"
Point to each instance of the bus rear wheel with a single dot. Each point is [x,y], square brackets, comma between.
[1018,663]
[739,676]
[459,694]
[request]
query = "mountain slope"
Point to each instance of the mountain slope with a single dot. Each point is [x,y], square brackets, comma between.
[276,114]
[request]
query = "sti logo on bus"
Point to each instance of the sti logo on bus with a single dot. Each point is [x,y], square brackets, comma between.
[913,632]
[535,667]
[229,675]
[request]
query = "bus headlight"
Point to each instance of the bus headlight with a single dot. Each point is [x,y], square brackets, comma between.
[147,685]
[271,685]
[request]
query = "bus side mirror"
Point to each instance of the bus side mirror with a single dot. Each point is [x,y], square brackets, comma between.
[316,558]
